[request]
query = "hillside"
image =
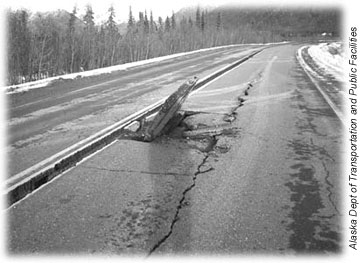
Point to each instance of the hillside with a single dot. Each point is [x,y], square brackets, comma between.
[49,44]
[285,22]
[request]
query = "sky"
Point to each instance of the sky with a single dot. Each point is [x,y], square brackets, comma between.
[161,8]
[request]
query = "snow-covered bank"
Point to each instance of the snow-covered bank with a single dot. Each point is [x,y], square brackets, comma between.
[44,82]
[330,57]
[315,77]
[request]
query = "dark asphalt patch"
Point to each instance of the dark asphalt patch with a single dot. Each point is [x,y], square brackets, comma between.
[311,228]
[308,234]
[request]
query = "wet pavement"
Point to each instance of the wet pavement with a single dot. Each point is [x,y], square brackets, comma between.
[253,169]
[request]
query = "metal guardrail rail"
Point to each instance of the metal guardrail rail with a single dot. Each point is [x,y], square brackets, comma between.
[23,183]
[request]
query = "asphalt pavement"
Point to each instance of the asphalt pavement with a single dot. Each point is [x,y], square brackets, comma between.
[256,171]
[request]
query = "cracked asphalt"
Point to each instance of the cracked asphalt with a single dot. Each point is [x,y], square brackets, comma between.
[253,169]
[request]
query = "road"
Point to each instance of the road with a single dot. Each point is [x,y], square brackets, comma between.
[254,175]
[42,122]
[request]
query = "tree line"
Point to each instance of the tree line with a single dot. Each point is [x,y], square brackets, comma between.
[49,44]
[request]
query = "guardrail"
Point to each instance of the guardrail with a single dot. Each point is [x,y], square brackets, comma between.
[23,183]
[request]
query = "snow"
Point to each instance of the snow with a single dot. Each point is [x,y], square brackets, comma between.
[330,57]
[44,82]
[331,67]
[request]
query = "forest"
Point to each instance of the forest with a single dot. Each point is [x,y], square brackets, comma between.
[42,45]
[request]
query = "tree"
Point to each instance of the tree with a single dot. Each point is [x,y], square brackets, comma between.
[146,23]
[72,39]
[160,21]
[24,42]
[219,21]
[167,24]
[190,22]
[41,48]
[147,35]
[102,48]
[130,38]
[202,22]
[111,36]
[173,22]
[197,17]
[88,53]
[152,23]
[131,21]
[19,41]
[141,21]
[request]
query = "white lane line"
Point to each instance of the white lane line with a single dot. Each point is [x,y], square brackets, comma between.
[310,72]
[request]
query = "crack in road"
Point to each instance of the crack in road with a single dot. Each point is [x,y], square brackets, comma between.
[228,118]
[181,203]
[212,142]
[328,188]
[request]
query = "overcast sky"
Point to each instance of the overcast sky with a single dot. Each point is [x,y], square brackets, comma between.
[159,7]
[100,7]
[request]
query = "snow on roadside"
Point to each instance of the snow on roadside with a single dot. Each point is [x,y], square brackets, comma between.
[314,76]
[330,57]
[44,82]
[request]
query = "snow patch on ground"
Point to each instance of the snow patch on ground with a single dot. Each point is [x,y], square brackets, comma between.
[336,71]
[44,82]
[330,57]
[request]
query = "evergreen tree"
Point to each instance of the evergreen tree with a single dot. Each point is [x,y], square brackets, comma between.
[141,18]
[111,24]
[131,21]
[89,37]
[71,39]
[173,22]
[111,36]
[146,23]
[89,18]
[167,24]
[161,24]
[202,22]
[197,17]
[152,23]
[24,42]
